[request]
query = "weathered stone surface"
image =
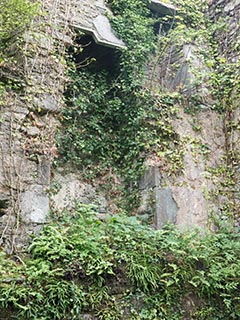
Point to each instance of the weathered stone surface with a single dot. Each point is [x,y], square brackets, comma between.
[162,8]
[166,208]
[47,103]
[177,72]
[103,33]
[33,131]
[157,202]
[42,40]
[230,12]
[191,189]
[150,179]
[34,204]
[87,316]
[90,16]
[231,5]
[27,134]
[184,198]
[193,210]
[72,189]
[44,172]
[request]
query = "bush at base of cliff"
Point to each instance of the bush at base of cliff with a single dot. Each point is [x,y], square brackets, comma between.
[119,269]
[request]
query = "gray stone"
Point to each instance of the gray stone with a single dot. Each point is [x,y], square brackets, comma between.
[47,103]
[150,179]
[22,111]
[177,72]
[44,171]
[4,196]
[231,5]
[33,131]
[148,200]
[103,33]
[166,208]
[34,205]
[87,316]
[162,8]
[72,189]
[101,6]
[193,210]
[43,41]
[157,202]
[90,16]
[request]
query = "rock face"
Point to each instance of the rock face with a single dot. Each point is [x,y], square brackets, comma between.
[29,120]
[70,188]
[27,137]
[181,70]
[203,136]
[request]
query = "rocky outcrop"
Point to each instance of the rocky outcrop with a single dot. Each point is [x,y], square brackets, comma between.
[205,140]
[29,117]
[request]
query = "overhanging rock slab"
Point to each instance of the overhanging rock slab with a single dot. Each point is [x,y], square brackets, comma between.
[91,17]
[162,8]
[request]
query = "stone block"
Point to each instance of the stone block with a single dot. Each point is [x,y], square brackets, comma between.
[33,131]
[34,205]
[166,208]
[150,179]
[162,7]
[70,188]
[104,34]
[47,103]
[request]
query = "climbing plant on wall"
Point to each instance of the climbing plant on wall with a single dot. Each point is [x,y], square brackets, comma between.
[111,120]
[15,17]
[109,114]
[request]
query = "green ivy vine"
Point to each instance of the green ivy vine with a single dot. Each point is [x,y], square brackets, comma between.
[110,119]
[15,19]
[113,120]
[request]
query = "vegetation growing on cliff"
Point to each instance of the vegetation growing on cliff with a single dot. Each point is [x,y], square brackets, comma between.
[119,269]
[15,18]
[111,121]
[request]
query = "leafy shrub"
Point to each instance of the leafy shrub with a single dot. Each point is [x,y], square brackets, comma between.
[120,269]
[15,17]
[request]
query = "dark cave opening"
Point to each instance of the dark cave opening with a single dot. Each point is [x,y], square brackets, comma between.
[3,206]
[88,54]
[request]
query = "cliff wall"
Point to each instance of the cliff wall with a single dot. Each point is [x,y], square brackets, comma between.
[30,116]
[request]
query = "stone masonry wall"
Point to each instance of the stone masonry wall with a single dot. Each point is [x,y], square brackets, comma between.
[28,129]
[29,117]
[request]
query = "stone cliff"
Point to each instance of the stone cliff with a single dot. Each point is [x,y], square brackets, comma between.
[30,116]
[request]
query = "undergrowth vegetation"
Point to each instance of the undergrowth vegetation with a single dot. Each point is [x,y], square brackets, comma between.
[120,269]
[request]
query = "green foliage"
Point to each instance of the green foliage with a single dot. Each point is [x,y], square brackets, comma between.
[15,17]
[119,269]
[110,119]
